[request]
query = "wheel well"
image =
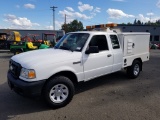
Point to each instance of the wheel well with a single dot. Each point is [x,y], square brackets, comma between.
[67,74]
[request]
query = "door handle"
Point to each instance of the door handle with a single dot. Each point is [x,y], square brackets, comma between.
[77,62]
[109,55]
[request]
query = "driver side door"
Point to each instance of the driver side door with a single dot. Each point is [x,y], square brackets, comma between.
[97,64]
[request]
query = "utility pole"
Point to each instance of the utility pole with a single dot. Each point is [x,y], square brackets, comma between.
[65,24]
[53,8]
[65,19]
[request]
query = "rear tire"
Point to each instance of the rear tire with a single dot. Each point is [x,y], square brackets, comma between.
[58,92]
[134,70]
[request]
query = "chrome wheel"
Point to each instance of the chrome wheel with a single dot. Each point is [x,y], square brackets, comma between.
[59,93]
[134,70]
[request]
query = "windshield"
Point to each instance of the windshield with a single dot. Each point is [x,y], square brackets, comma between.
[72,41]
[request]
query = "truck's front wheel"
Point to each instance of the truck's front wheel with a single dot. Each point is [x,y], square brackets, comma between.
[59,91]
[134,70]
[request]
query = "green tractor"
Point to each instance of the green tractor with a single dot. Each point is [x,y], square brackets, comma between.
[30,42]
[49,39]
[3,40]
[7,39]
[26,46]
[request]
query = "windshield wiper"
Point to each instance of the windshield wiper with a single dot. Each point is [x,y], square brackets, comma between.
[66,48]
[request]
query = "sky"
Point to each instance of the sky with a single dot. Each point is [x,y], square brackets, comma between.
[37,14]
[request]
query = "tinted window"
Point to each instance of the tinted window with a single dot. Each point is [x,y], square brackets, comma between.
[151,38]
[114,41]
[100,41]
[156,38]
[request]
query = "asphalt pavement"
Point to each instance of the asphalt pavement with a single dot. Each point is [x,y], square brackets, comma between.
[112,97]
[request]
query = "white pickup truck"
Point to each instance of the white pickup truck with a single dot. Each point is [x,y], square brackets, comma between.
[78,56]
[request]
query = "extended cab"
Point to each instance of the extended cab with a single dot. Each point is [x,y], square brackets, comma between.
[78,56]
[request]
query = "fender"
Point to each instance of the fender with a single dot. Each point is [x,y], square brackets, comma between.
[79,75]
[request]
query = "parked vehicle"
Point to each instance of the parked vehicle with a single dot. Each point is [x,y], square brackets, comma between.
[31,38]
[28,43]
[154,46]
[26,46]
[3,39]
[78,56]
[49,39]
[7,39]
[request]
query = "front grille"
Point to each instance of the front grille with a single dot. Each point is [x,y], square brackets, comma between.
[14,68]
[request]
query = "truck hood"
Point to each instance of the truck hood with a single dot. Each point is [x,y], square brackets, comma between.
[47,56]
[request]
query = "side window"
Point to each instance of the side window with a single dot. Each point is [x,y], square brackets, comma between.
[100,41]
[114,41]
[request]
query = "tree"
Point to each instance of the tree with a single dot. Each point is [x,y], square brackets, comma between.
[135,22]
[65,27]
[73,26]
[129,23]
[139,22]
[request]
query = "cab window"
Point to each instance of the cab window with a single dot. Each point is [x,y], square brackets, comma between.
[114,41]
[100,41]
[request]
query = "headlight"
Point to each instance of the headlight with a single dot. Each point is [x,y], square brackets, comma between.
[26,73]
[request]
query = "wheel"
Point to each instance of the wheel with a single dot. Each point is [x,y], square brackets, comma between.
[18,51]
[134,70]
[58,92]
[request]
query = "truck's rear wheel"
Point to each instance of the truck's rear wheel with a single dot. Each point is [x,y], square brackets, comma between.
[58,92]
[134,70]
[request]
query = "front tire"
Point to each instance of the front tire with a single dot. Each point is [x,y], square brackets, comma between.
[134,70]
[58,92]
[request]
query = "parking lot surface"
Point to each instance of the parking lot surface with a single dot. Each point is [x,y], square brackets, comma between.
[112,97]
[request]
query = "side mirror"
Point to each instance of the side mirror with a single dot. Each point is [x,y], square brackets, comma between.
[92,49]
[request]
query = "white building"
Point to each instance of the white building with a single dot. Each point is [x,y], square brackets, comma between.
[58,33]
[153,30]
